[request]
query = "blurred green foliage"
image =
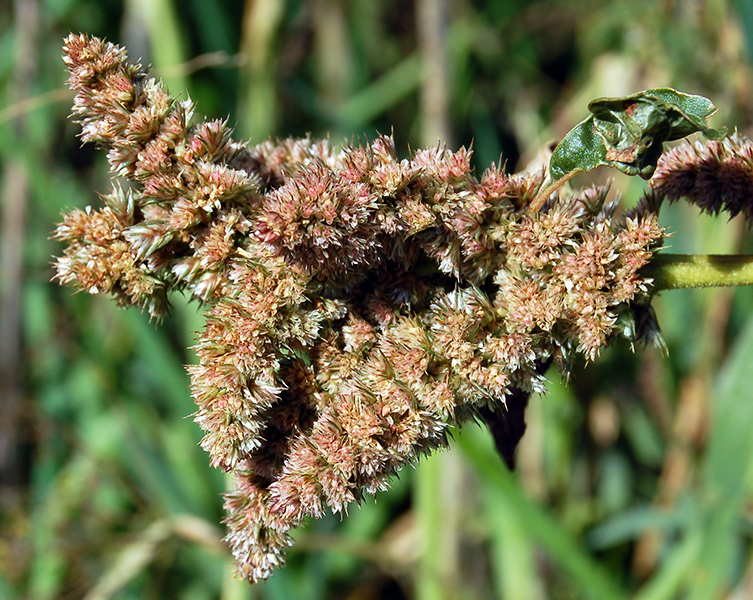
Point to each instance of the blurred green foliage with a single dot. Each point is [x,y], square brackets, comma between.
[635,480]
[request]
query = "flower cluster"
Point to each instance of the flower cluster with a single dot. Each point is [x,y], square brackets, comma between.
[179,226]
[715,176]
[358,305]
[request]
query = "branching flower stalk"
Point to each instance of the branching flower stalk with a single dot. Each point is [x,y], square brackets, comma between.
[357,305]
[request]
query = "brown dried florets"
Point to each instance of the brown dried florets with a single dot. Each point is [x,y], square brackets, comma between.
[358,305]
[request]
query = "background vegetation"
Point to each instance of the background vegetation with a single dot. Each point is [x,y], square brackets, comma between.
[636,480]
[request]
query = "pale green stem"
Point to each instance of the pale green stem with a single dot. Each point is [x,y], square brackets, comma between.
[676,271]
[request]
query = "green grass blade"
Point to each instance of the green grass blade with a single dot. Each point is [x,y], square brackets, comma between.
[673,575]
[727,470]
[436,504]
[165,40]
[590,578]
[388,90]
[512,552]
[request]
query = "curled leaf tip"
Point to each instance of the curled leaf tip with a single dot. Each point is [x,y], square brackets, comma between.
[628,134]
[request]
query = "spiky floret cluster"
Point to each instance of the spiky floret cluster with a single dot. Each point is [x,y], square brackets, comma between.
[178,227]
[358,304]
[716,175]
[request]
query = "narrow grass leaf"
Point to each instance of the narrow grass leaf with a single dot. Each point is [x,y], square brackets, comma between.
[591,580]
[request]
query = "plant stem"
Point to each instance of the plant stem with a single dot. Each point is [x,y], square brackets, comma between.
[548,189]
[676,271]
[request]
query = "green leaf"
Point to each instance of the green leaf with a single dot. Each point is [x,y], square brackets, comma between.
[629,133]
[580,150]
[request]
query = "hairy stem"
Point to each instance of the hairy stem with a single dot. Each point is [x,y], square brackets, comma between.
[675,271]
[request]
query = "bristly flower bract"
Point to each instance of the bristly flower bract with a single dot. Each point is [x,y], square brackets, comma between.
[357,304]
